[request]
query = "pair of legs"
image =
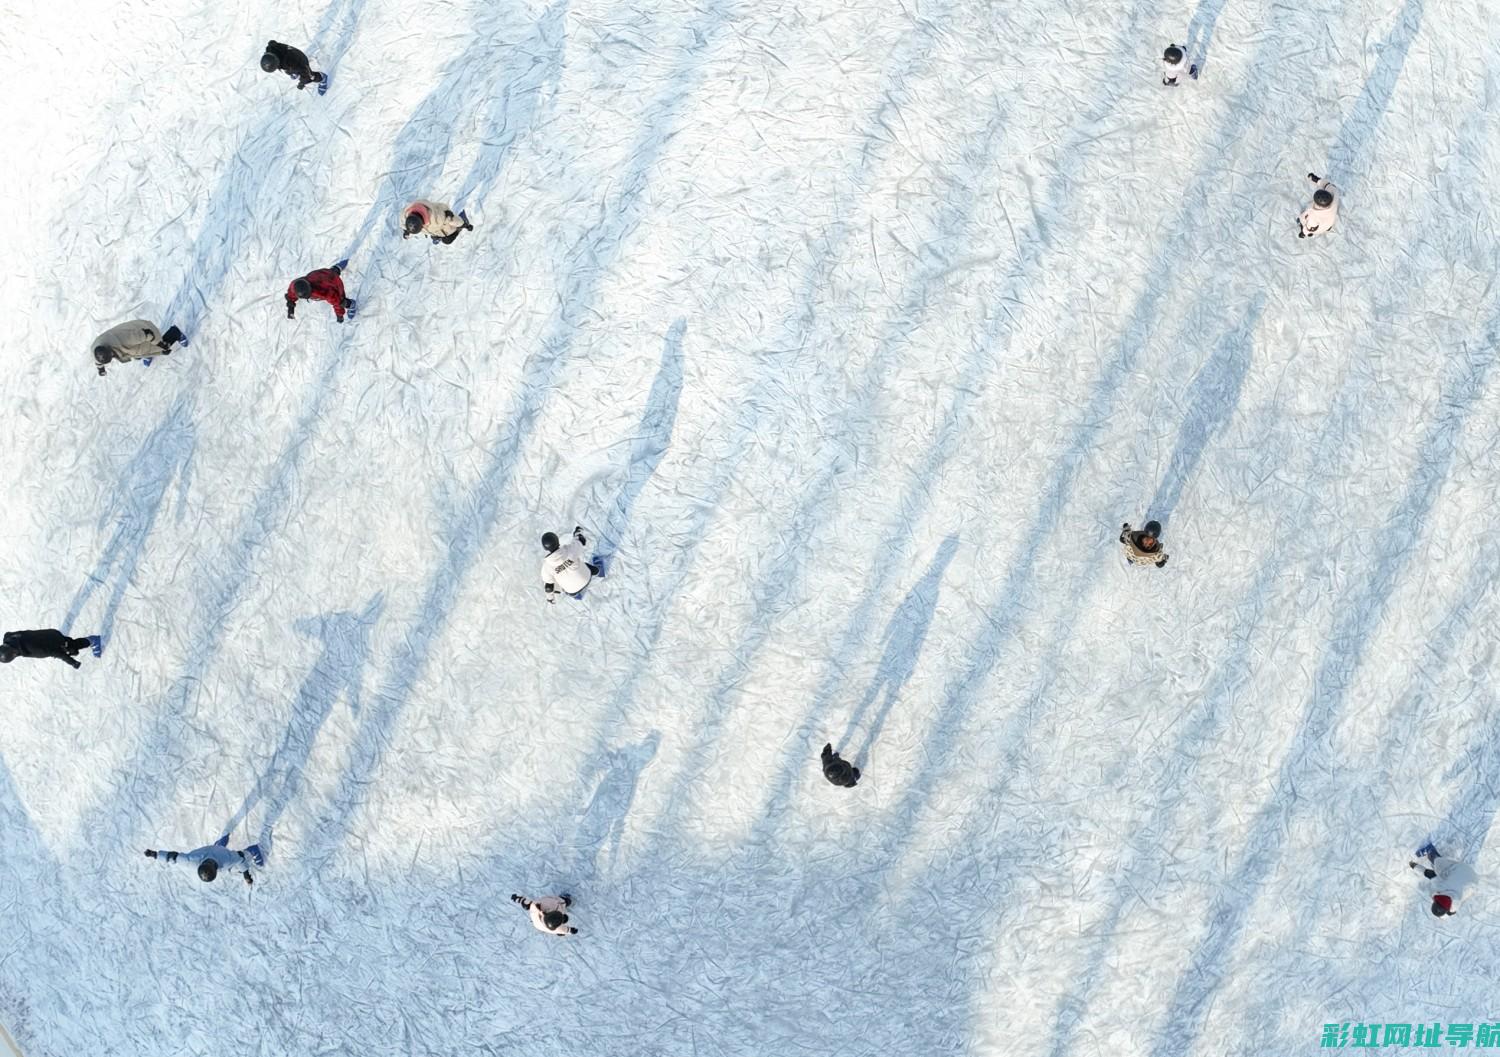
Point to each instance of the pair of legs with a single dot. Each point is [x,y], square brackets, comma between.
[447,240]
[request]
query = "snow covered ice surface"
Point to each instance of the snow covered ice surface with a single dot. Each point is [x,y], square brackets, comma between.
[852,329]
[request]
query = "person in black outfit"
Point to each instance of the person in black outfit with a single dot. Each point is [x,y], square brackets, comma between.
[291,62]
[837,770]
[48,642]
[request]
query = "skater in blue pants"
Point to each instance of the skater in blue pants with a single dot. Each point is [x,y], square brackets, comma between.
[211,857]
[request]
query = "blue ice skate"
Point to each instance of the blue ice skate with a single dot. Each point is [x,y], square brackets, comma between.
[1427,851]
[323,85]
[254,852]
[96,645]
[341,265]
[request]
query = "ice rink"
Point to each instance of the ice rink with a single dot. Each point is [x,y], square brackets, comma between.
[850,331]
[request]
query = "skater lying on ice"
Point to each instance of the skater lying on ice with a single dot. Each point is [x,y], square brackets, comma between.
[566,568]
[292,62]
[211,857]
[1318,218]
[1451,881]
[547,913]
[436,219]
[44,642]
[137,340]
[1143,547]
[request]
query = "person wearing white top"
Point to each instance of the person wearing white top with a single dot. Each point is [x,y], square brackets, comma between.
[1451,881]
[1173,65]
[566,568]
[547,913]
[1318,218]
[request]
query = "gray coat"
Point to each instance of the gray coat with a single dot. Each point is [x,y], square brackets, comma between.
[135,340]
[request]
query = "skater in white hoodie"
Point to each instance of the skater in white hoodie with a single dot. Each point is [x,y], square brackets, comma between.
[1174,66]
[566,568]
[547,913]
[1450,881]
[1319,218]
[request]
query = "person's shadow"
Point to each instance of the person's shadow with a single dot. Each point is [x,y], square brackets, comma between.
[903,640]
[337,673]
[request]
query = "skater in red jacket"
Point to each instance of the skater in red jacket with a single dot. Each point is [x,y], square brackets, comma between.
[322,284]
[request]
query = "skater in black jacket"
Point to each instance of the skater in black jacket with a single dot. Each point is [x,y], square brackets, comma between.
[292,62]
[838,770]
[47,642]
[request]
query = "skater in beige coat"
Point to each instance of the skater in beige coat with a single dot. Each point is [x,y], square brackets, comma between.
[436,219]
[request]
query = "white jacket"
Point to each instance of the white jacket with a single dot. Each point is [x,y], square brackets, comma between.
[1171,71]
[1454,879]
[567,568]
[541,907]
[1317,221]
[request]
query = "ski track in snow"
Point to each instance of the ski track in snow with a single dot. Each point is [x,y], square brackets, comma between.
[849,333]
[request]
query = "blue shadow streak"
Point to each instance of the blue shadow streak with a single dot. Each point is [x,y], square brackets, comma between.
[513,111]
[1212,398]
[1355,135]
[467,80]
[1200,32]
[1348,641]
[164,456]
[649,618]
[337,673]
[903,640]
[469,526]
[600,828]
[652,439]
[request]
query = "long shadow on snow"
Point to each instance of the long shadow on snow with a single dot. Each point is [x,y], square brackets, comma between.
[1200,32]
[228,219]
[469,79]
[1212,398]
[1003,618]
[598,831]
[774,592]
[326,54]
[1358,621]
[338,673]
[1355,135]
[652,439]
[902,642]
[649,619]
[514,109]
[469,525]
[1300,968]
[236,565]
[164,456]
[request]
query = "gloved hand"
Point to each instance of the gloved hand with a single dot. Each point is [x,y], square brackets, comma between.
[572,931]
[291,311]
[151,854]
[1314,177]
[1163,561]
[101,372]
[248,879]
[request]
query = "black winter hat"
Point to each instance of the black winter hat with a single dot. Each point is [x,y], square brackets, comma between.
[269,63]
[1322,198]
[554,919]
[413,223]
[1153,528]
[301,287]
[1173,54]
[208,870]
[550,542]
[103,354]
